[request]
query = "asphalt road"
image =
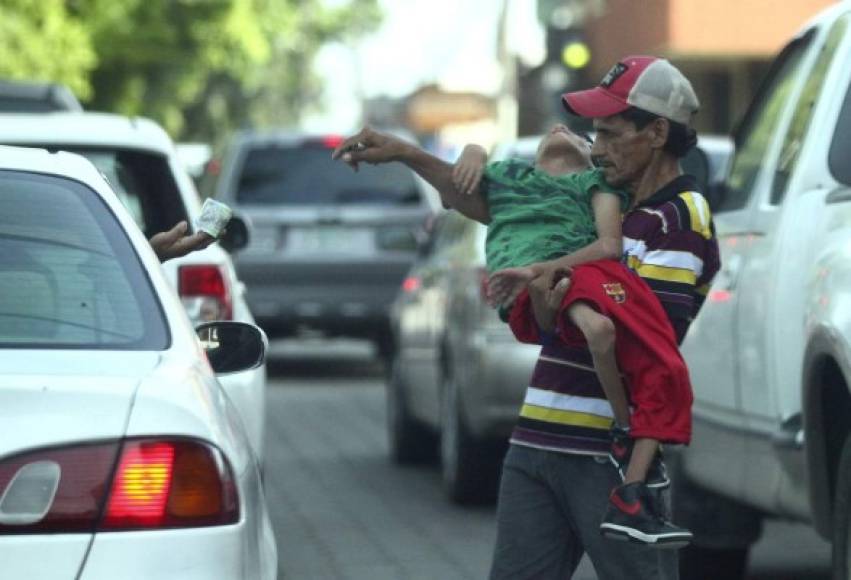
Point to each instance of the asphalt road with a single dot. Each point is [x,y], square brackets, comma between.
[342,511]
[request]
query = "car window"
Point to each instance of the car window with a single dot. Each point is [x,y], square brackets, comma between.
[761,124]
[69,277]
[145,184]
[794,138]
[143,181]
[306,175]
[840,145]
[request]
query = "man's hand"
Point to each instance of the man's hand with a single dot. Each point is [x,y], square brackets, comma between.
[546,300]
[175,243]
[369,146]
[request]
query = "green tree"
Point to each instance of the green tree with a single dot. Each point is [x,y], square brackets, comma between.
[40,40]
[283,86]
[204,67]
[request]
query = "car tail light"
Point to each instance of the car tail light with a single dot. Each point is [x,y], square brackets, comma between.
[170,484]
[205,292]
[411,284]
[137,484]
[79,489]
[332,141]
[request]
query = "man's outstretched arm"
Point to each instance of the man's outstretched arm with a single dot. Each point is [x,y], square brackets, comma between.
[370,146]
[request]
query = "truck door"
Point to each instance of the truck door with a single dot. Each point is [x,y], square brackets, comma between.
[786,227]
[714,348]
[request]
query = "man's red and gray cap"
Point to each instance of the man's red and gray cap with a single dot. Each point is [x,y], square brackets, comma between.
[645,82]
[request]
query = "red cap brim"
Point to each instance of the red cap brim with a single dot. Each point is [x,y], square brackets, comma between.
[596,102]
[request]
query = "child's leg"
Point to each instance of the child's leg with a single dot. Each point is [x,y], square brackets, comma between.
[599,332]
[643,452]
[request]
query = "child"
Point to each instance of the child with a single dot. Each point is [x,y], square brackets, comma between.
[560,210]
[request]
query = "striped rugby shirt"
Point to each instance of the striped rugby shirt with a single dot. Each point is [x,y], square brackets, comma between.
[669,240]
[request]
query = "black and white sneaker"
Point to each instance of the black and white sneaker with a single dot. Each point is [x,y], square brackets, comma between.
[635,514]
[621,452]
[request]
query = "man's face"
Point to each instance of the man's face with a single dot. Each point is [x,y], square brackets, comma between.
[622,151]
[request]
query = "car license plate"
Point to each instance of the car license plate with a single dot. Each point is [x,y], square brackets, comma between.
[330,239]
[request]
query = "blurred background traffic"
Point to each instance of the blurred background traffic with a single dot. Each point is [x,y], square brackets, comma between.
[244,100]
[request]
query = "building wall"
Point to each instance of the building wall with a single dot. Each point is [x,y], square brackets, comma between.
[723,46]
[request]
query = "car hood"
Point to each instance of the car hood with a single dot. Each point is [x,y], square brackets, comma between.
[56,397]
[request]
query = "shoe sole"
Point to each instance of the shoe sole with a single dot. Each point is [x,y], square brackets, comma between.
[664,484]
[672,541]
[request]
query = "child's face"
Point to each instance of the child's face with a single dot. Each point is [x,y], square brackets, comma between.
[561,141]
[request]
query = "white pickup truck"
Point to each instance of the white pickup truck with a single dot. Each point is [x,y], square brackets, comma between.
[770,352]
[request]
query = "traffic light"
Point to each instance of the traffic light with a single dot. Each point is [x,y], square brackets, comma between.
[567,47]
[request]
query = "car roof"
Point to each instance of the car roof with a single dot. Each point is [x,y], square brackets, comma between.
[25,96]
[58,163]
[84,129]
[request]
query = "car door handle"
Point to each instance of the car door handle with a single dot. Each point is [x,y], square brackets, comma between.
[838,196]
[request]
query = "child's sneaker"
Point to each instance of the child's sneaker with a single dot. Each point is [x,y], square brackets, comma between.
[635,514]
[621,452]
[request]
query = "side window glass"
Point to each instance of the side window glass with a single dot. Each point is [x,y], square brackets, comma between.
[803,112]
[761,122]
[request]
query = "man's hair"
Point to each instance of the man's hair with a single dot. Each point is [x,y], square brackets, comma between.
[680,138]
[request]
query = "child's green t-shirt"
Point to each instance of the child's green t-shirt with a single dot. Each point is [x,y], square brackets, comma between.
[536,216]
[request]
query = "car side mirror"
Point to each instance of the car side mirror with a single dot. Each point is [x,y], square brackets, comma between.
[235,237]
[232,347]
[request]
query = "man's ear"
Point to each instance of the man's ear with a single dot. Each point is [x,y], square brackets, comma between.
[660,127]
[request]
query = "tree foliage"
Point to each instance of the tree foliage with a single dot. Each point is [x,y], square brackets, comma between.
[199,67]
[40,40]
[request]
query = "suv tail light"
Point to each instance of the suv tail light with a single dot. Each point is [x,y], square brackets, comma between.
[137,484]
[205,292]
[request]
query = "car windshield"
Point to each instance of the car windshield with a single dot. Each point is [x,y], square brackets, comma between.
[69,277]
[306,175]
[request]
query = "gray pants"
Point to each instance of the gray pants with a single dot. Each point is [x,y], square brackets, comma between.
[549,513]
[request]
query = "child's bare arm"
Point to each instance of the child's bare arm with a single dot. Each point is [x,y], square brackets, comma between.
[469,168]
[609,243]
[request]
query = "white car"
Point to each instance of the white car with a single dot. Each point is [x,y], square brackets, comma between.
[140,162]
[120,454]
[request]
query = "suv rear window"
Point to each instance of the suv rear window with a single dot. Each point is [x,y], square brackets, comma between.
[306,175]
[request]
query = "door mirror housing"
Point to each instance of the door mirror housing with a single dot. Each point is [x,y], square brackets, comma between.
[232,347]
[236,236]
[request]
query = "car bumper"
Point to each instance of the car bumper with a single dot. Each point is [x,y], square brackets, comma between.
[223,552]
[350,298]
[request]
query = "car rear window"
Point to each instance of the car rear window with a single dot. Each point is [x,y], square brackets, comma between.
[306,175]
[69,277]
[144,183]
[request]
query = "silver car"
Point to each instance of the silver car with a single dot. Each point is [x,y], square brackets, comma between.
[457,371]
[329,246]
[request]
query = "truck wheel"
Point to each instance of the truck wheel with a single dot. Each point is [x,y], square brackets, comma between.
[470,468]
[842,516]
[410,441]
